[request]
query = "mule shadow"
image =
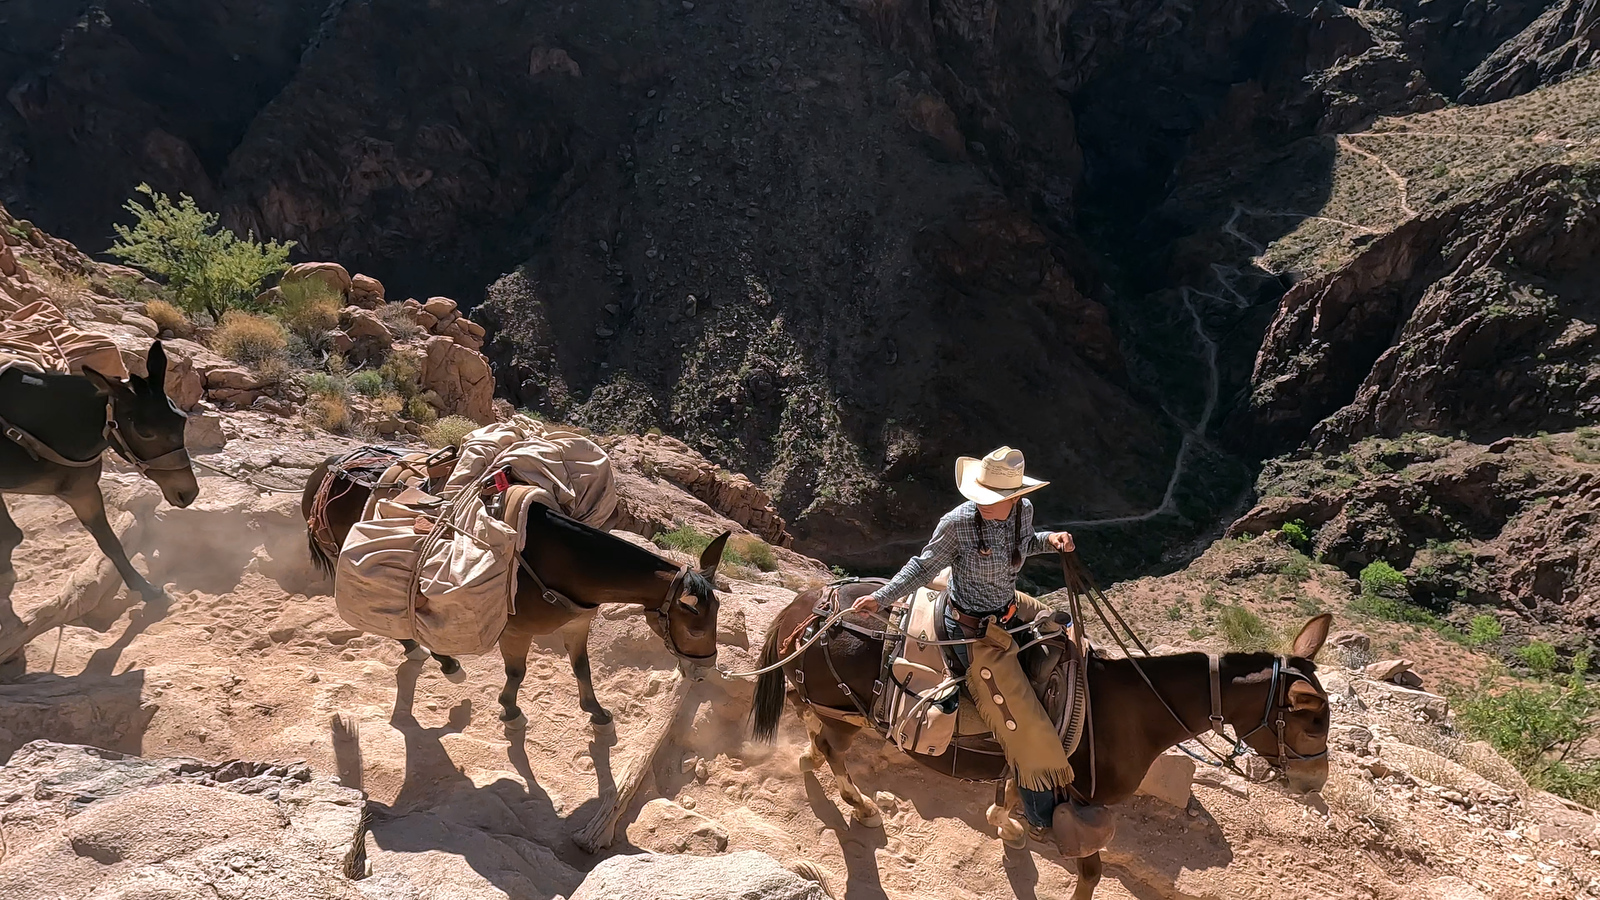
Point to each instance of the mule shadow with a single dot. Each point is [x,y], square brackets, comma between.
[440,809]
[104,661]
[858,843]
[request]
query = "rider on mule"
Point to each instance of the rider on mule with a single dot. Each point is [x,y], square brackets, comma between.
[984,542]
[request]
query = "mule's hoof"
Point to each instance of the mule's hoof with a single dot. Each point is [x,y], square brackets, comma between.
[416,654]
[807,764]
[601,719]
[519,722]
[1019,842]
[456,675]
[872,819]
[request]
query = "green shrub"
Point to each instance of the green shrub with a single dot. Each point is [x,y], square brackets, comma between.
[749,550]
[684,539]
[449,431]
[755,552]
[206,266]
[402,372]
[250,339]
[1299,536]
[368,383]
[1243,629]
[309,308]
[1539,656]
[1540,729]
[1485,629]
[321,384]
[1382,580]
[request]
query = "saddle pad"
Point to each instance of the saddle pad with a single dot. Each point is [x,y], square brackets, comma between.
[918,680]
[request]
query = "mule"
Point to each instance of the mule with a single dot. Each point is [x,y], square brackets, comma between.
[587,565]
[1130,725]
[55,430]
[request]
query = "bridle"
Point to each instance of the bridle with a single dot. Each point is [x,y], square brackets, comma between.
[171,461]
[1284,676]
[664,622]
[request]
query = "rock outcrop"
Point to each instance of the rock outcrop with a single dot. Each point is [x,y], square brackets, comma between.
[80,822]
[1476,529]
[1472,319]
[1563,40]
[648,458]
[748,875]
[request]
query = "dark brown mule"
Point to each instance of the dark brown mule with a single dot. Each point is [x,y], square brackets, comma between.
[54,430]
[1130,725]
[587,565]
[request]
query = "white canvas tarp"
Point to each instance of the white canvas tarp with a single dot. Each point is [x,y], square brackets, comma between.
[446,574]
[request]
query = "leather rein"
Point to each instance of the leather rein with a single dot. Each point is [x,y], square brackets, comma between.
[1283,677]
[172,461]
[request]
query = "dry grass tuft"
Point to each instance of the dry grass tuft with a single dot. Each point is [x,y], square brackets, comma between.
[449,431]
[310,308]
[329,412]
[250,339]
[169,318]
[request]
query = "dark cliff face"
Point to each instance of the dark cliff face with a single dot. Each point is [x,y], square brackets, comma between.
[1474,320]
[102,96]
[834,246]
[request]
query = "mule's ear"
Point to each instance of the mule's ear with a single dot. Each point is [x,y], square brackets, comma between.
[107,386]
[155,366]
[712,555]
[1304,696]
[1312,636]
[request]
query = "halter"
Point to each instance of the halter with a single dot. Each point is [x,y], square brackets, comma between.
[1271,717]
[674,593]
[171,461]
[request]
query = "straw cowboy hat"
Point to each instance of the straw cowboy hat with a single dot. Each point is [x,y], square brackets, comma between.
[994,478]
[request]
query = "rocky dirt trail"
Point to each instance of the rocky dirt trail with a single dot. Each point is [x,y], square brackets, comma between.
[250,661]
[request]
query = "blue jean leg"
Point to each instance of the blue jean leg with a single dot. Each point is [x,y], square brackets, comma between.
[1037,806]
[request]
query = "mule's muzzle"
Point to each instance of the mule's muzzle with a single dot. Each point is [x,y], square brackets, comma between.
[1306,775]
[179,487]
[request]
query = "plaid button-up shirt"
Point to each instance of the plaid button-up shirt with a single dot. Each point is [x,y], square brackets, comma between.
[980,584]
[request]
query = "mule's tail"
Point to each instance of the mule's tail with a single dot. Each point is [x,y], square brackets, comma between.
[768,706]
[319,559]
[810,871]
[314,506]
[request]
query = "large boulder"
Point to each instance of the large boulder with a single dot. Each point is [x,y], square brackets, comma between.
[1169,778]
[746,875]
[665,827]
[364,325]
[105,825]
[461,378]
[440,308]
[366,292]
[331,274]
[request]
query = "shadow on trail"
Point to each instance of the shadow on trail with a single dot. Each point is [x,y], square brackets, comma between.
[502,830]
[858,843]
